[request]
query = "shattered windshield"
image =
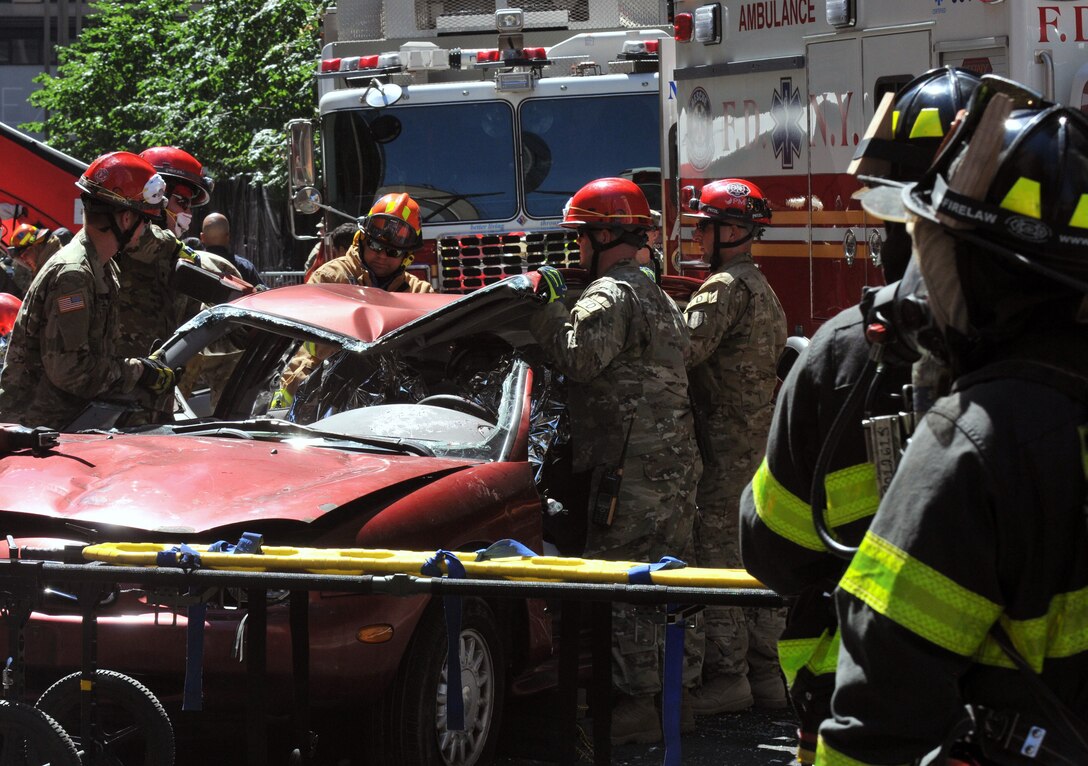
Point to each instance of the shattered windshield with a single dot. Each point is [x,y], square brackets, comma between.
[456,160]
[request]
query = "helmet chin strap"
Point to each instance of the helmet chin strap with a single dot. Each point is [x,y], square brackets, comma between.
[716,256]
[637,239]
[122,237]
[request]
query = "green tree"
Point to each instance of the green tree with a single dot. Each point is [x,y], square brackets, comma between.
[219,81]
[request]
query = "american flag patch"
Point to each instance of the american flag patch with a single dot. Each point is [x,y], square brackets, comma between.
[73,302]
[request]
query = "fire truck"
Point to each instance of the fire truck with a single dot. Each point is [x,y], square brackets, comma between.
[490,118]
[780,92]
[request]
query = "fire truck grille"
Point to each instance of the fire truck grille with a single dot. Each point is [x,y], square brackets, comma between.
[470,262]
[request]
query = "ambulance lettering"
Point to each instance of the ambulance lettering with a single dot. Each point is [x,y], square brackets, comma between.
[1053,17]
[750,118]
[776,13]
[820,106]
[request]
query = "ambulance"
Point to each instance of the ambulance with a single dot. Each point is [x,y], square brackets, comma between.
[780,92]
[490,117]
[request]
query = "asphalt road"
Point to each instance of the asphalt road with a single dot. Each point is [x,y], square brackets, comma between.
[752,738]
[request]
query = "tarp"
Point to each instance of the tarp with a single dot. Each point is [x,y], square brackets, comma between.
[37,183]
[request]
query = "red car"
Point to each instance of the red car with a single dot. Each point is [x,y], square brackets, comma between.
[431,423]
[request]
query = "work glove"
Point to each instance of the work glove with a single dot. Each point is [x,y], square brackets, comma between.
[551,286]
[157,377]
[281,400]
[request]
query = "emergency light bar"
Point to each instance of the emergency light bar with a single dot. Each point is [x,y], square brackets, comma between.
[640,49]
[840,13]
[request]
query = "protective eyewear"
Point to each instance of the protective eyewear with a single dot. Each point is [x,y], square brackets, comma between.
[390,232]
[185,203]
[390,252]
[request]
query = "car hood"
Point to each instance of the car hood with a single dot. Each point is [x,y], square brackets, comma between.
[183,484]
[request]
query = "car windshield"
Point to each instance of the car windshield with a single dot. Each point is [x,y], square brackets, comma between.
[408,148]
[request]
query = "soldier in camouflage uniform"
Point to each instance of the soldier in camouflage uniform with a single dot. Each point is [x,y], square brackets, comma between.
[738,329]
[150,307]
[63,351]
[622,349]
[379,257]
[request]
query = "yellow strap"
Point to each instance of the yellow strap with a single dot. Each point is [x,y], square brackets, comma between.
[829,756]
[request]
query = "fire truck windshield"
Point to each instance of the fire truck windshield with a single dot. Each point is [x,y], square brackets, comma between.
[568,142]
[459,161]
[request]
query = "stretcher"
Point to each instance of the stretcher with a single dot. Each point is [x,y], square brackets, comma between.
[488,564]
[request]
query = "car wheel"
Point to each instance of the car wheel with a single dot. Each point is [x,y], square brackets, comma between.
[415,719]
[133,727]
[29,736]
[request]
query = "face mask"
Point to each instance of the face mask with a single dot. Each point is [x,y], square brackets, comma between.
[181,223]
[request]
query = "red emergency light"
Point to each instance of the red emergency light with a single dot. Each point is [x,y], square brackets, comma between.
[683,25]
[486,56]
[330,65]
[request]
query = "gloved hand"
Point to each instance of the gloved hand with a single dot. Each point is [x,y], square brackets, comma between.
[281,400]
[157,377]
[551,286]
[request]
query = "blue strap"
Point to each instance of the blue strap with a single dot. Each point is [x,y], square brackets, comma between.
[503,549]
[193,694]
[672,682]
[249,542]
[640,573]
[182,556]
[451,605]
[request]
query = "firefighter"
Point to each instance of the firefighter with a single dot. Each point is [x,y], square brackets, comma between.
[63,351]
[738,329]
[778,541]
[30,247]
[383,249]
[969,586]
[622,348]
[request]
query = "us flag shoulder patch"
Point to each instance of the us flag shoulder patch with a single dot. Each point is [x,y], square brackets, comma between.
[73,302]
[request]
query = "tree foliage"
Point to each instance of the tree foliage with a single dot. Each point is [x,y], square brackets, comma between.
[219,81]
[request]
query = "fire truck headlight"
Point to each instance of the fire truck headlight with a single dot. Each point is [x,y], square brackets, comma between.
[509,20]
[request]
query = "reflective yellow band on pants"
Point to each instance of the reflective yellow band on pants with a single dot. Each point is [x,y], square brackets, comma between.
[851,495]
[1061,632]
[818,655]
[829,756]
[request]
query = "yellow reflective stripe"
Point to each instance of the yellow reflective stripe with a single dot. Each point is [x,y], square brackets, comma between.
[1025,198]
[818,655]
[928,124]
[918,597]
[1079,218]
[829,756]
[851,495]
[1083,431]
[311,347]
[895,121]
[1061,632]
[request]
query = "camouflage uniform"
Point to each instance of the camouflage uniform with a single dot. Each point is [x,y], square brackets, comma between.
[738,329]
[149,308]
[63,351]
[347,269]
[622,349]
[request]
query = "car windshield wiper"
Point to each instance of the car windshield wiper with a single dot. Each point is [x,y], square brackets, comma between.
[247,429]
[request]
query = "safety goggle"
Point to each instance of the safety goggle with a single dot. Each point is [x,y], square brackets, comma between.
[185,203]
[389,232]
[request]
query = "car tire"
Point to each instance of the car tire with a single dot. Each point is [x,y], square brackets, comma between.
[29,736]
[414,714]
[133,727]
